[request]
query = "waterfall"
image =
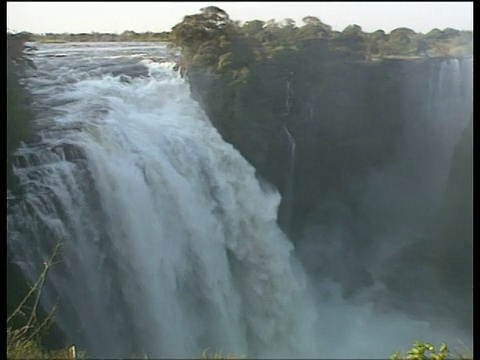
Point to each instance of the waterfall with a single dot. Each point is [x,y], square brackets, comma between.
[169,245]
[288,106]
[450,99]
[442,88]
[290,182]
[404,197]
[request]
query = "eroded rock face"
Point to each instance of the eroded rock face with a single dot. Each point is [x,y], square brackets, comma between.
[346,118]
[373,162]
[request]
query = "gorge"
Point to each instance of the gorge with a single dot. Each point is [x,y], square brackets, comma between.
[301,205]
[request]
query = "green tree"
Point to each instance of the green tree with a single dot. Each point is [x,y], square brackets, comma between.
[315,21]
[252,28]
[197,29]
[207,38]
[401,42]
[313,29]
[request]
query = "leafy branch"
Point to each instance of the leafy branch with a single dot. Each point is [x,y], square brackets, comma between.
[33,326]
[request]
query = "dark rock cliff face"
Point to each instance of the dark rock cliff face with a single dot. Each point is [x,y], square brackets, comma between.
[444,258]
[373,156]
[453,252]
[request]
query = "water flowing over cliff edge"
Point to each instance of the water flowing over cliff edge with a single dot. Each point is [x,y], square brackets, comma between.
[170,243]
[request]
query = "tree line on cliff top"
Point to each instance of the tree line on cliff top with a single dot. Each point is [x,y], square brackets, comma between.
[210,38]
[213,25]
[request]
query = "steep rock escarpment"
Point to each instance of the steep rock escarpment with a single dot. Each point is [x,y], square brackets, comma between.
[373,168]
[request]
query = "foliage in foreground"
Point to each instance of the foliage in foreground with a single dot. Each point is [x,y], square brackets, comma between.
[423,351]
[426,351]
[218,355]
[26,327]
[19,347]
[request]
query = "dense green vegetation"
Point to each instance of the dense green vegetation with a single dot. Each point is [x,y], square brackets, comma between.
[426,351]
[212,39]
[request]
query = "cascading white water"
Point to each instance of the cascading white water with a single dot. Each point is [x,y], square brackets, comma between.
[425,144]
[169,244]
[291,139]
[290,176]
[430,143]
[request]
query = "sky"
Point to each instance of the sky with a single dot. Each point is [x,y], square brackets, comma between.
[115,17]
